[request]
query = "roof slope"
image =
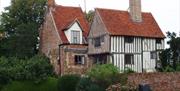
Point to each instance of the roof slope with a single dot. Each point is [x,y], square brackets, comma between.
[119,23]
[64,16]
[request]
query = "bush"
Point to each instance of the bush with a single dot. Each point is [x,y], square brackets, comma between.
[85,84]
[168,69]
[49,84]
[4,71]
[95,87]
[178,68]
[4,79]
[104,75]
[68,82]
[36,68]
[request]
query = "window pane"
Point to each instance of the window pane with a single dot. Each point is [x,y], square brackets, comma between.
[153,55]
[158,41]
[79,59]
[129,59]
[129,39]
[97,42]
[75,37]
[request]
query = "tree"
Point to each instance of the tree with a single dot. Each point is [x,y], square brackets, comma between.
[21,22]
[170,56]
[23,42]
[89,16]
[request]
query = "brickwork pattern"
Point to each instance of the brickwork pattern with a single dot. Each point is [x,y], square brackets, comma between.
[68,62]
[157,81]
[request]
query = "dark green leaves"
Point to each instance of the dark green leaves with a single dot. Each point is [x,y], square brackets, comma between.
[20,22]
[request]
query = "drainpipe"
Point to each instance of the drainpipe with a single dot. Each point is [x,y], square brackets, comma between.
[59,61]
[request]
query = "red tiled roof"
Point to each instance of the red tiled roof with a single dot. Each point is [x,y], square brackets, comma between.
[64,16]
[119,23]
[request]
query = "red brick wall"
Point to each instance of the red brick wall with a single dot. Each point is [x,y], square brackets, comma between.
[68,63]
[49,38]
[157,81]
[49,41]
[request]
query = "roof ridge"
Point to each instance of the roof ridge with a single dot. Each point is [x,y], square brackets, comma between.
[68,6]
[118,10]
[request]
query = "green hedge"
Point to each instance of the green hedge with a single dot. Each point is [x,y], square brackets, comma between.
[68,82]
[36,68]
[85,84]
[104,75]
[47,85]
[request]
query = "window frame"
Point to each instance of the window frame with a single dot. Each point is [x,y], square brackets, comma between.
[75,37]
[97,41]
[129,59]
[128,39]
[153,55]
[79,59]
[158,41]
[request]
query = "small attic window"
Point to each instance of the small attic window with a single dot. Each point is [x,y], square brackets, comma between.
[129,39]
[158,41]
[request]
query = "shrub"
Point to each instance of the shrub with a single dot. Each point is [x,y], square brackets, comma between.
[36,68]
[85,84]
[4,74]
[104,75]
[168,69]
[49,84]
[68,82]
[4,79]
[95,87]
[178,68]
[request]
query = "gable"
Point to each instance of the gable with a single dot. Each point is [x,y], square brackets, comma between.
[74,27]
[97,27]
[65,15]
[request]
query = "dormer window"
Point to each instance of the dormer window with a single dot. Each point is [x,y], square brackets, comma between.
[74,33]
[75,37]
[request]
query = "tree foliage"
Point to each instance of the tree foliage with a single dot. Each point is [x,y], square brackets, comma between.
[21,22]
[171,56]
[89,16]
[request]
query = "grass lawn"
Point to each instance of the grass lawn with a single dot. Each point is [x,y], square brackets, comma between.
[49,85]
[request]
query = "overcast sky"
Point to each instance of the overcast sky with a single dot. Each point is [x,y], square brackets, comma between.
[166,12]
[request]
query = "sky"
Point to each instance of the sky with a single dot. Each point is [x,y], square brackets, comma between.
[166,12]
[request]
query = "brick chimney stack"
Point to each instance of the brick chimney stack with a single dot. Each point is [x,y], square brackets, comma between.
[135,10]
[51,3]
